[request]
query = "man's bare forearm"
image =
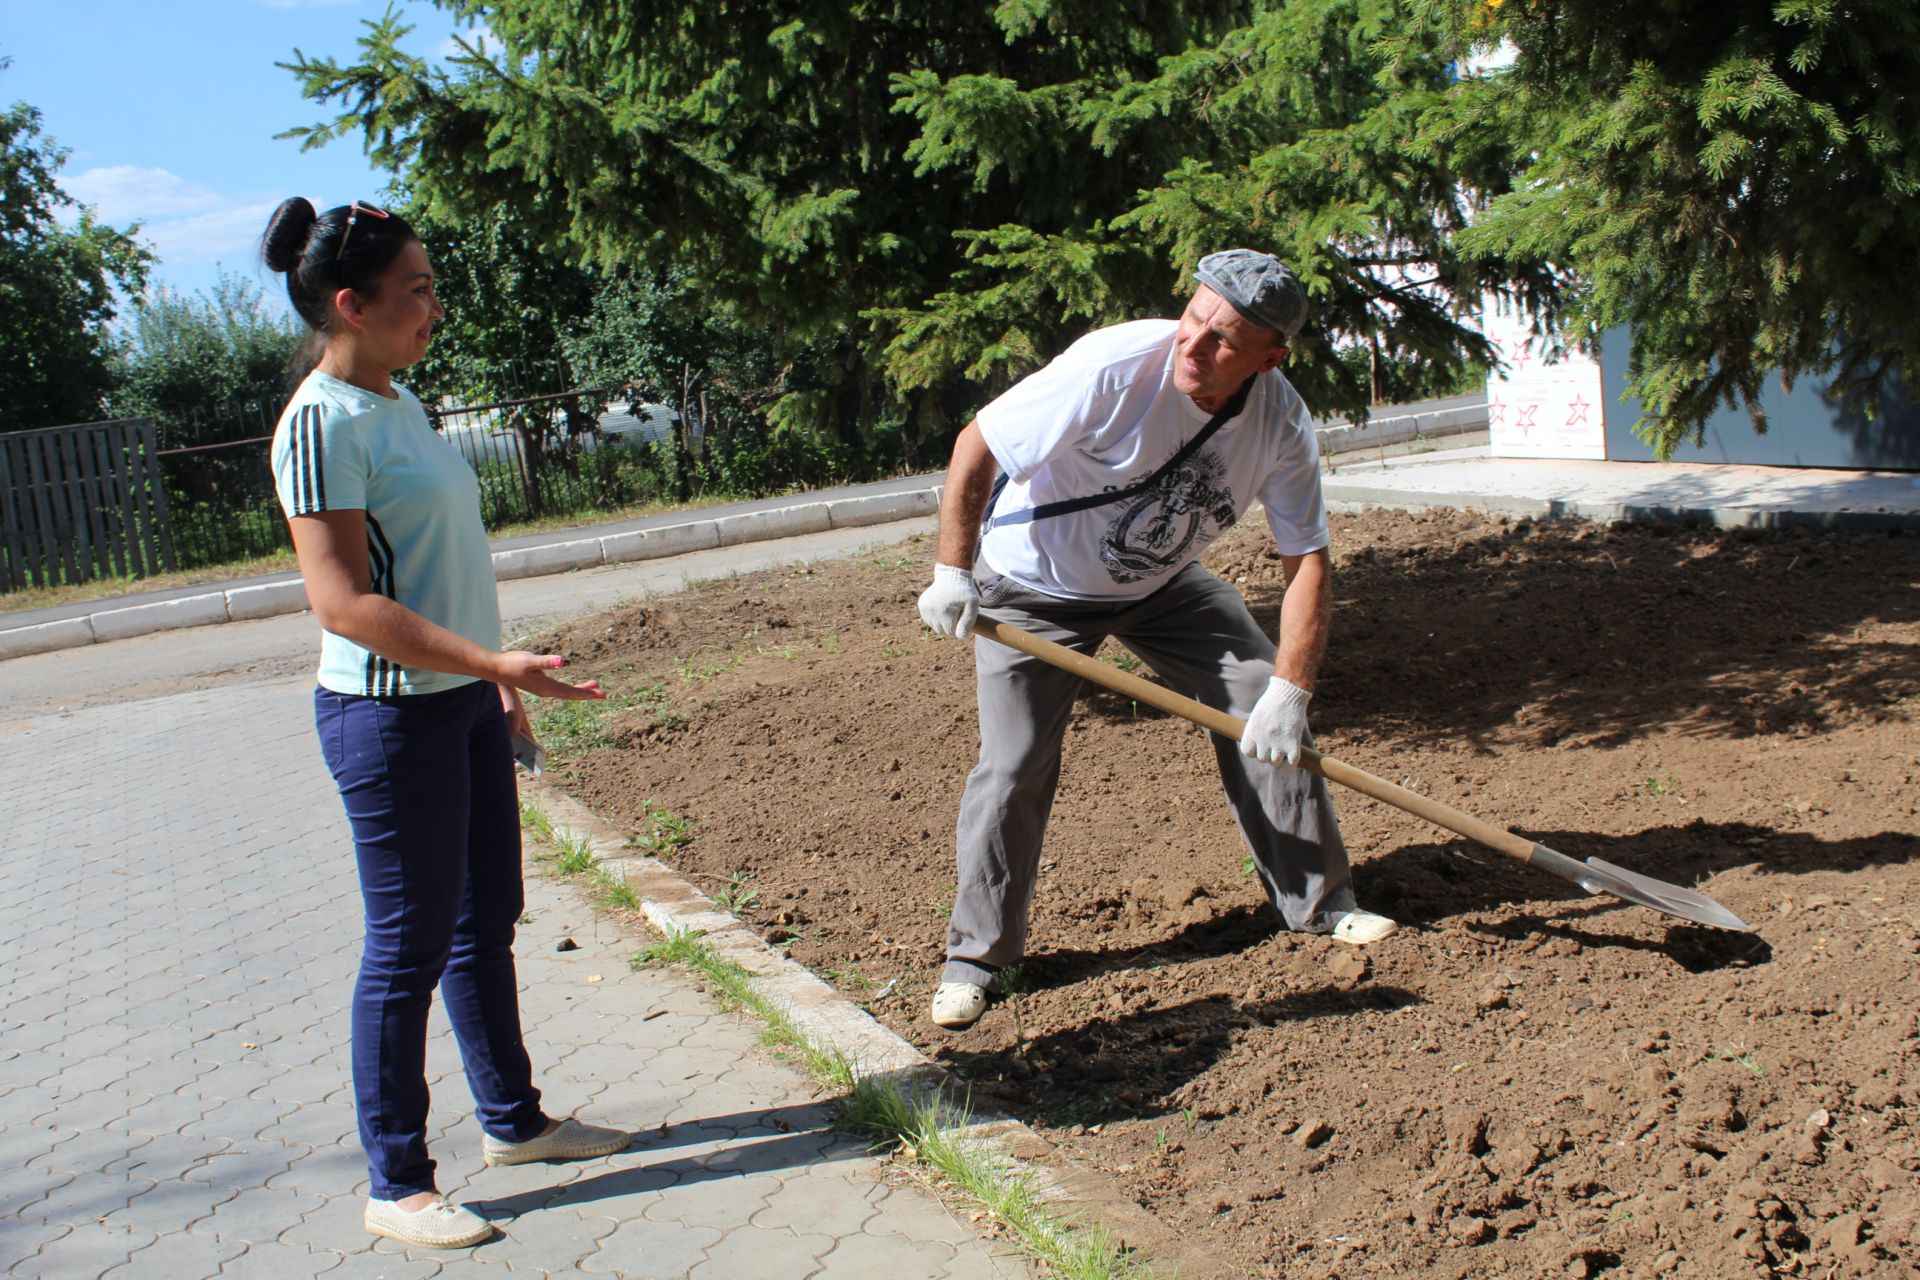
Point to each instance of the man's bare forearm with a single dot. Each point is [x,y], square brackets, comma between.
[964,500]
[1306,616]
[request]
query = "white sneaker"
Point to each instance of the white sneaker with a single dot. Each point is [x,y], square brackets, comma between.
[438,1226]
[958,1005]
[571,1141]
[1358,928]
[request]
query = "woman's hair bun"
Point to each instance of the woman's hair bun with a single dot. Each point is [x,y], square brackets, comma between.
[287,233]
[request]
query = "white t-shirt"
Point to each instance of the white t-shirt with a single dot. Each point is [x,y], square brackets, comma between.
[339,447]
[1105,415]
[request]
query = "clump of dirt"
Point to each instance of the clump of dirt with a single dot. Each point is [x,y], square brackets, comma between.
[1525,1080]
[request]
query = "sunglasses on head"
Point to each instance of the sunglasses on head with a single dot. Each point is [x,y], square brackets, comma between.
[353,215]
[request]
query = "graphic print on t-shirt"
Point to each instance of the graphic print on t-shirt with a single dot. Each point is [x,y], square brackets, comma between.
[1156,531]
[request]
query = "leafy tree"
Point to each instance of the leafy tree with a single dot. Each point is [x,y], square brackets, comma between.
[508,305]
[1739,182]
[916,204]
[187,357]
[56,285]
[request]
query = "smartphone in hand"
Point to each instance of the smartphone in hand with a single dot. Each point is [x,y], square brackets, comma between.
[530,755]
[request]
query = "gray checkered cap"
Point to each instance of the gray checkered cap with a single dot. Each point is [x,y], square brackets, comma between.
[1259,286]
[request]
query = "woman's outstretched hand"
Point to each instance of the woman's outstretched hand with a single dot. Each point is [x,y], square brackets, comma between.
[529,672]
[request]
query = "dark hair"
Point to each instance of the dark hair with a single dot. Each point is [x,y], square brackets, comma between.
[306,247]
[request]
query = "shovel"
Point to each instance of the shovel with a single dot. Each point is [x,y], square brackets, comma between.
[1594,875]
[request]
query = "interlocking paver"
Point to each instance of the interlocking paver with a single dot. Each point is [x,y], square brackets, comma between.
[642,1250]
[174,1083]
[759,1254]
[25,1237]
[90,1249]
[178,1257]
[857,1257]
[281,1262]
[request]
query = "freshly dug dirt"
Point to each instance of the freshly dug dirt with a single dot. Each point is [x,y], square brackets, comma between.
[1524,1081]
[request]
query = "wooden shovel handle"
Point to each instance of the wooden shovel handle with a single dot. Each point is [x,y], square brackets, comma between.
[1232,727]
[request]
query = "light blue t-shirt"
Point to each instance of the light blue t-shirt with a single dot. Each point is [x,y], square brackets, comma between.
[339,447]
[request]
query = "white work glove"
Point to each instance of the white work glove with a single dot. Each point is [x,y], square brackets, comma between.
[950,605]
[1278,724]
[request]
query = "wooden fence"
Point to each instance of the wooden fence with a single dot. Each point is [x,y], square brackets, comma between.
[83,502]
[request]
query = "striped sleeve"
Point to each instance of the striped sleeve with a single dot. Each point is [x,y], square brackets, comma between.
[318,464]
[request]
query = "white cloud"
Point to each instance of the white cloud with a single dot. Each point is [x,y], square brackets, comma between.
[230,235]
[184,221]
[120,193]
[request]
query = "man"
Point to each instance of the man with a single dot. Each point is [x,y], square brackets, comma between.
[1124,459]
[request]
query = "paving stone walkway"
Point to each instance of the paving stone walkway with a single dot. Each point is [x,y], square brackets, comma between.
[178,932]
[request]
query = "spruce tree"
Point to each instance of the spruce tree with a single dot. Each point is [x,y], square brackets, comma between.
[920,203]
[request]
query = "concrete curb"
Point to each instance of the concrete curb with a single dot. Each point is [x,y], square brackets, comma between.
[1354,496]
[673,905]
[266,600]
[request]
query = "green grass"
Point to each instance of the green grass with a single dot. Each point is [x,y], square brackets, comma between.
[533,818]
[736,989]
[568,729]
[931,1132]
[922,1126]
[572,855]
[696,669]
[1660,786]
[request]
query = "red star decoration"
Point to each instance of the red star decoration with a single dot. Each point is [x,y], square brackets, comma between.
[1525,422]
[1577,412]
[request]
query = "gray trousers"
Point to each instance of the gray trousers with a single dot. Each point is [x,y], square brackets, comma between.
[1198,635]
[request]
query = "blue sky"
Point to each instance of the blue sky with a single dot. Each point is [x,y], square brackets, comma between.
[169,108]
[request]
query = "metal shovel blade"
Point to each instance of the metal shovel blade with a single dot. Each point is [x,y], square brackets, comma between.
[1597,875]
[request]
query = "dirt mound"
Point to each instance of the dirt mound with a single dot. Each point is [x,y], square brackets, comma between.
[1527,1081]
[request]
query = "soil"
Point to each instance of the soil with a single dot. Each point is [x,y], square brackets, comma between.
[1523,1081]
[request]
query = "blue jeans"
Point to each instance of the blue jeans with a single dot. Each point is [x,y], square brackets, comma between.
[428,784]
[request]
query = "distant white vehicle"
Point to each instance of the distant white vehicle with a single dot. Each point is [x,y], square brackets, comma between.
[487,441]
[633,425]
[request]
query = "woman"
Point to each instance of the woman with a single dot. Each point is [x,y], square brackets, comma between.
[416,711]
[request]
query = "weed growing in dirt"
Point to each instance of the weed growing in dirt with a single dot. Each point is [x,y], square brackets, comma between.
[696,670]
[921,1126]
[1124,660]
[738,895]
[1741,1059]
[897,564]
[1659,786]
[665,832]
[1246,867]
[571,728]
[895,651]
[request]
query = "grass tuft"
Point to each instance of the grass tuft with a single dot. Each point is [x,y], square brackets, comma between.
[736,989]
[922,1126]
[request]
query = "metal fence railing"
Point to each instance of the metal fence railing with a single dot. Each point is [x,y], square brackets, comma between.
[133,498]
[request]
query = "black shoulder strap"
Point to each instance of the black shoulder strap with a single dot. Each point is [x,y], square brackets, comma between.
[1067,506]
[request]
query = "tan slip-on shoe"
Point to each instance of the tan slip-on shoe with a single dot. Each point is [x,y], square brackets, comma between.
[438,1226]
[958,1005]
[1358,928]
[570,1141]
